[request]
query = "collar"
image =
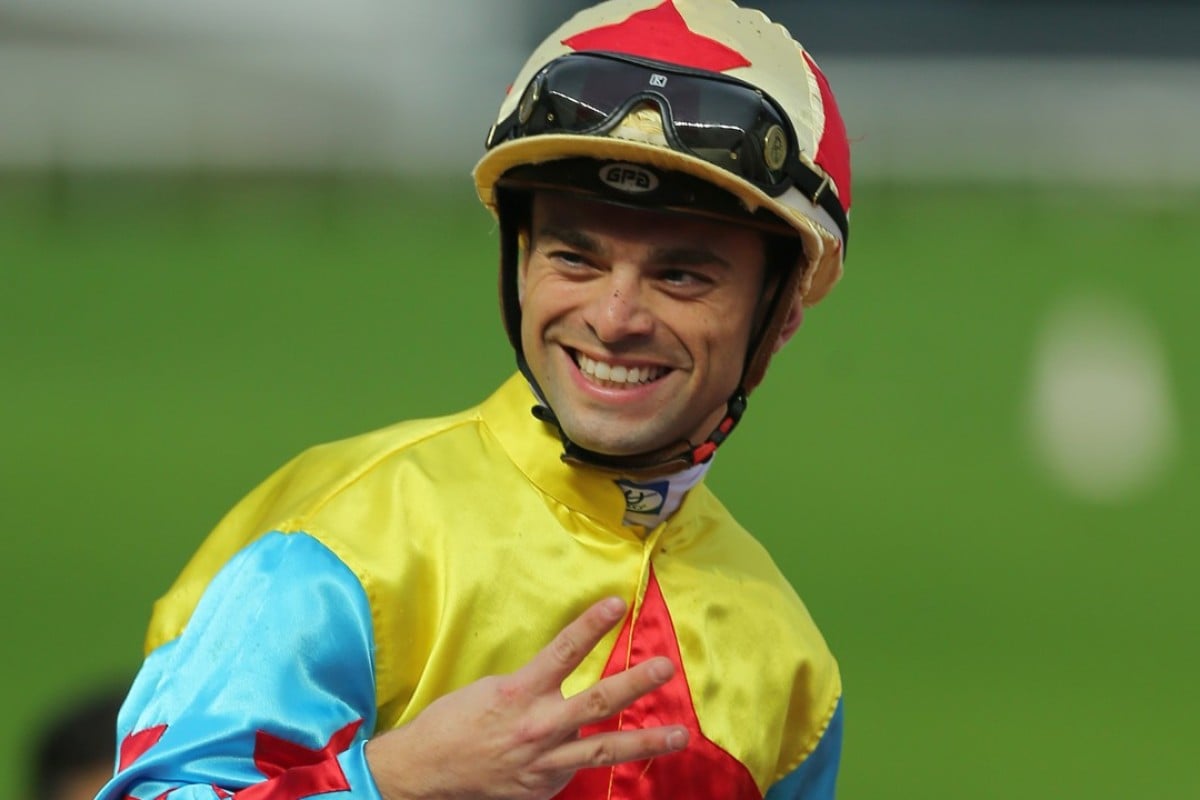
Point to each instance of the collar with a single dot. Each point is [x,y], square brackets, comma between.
[650,501]
[536,449]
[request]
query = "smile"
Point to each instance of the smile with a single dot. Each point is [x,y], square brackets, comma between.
[617,374]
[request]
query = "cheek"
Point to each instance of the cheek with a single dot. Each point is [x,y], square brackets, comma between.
[714,328]
[542,302]
[548,295]
[724,334]
[532,333]
[524,257]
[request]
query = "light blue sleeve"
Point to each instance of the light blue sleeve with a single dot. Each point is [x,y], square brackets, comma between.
[269,692]
[816,777]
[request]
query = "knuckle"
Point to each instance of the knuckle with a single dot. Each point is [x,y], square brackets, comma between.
[598,703]
[601,754]
[505,692]
[502,687]
[564,649]
[531,730]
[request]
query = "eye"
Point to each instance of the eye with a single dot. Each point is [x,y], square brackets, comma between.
[569,260]
[684,279]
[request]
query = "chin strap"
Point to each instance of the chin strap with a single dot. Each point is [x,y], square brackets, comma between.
[669,459]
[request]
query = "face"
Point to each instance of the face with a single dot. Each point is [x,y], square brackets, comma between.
[636,323]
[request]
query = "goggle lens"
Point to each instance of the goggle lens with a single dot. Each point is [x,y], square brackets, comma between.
[718,119]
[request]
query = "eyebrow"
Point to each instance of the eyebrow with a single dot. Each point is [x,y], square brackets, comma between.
[689,257]
[682,256]
[572,237]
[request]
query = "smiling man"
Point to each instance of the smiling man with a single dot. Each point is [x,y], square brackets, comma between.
[635,323]
[539,597]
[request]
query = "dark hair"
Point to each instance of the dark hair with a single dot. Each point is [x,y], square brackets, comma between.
[80,735]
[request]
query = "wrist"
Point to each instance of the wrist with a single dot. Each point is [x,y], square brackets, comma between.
[385,763]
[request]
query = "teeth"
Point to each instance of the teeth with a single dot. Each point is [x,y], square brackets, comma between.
[617,373]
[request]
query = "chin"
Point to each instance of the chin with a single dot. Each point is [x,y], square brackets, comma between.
[618,448]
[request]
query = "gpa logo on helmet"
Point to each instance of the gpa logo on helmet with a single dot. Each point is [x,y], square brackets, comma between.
[628,178]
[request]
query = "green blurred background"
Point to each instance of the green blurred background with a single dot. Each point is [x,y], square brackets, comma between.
[221,243]
[170,340]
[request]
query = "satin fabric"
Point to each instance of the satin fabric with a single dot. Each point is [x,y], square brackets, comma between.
[407,563]
[275,662]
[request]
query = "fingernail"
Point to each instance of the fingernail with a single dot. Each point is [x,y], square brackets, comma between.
[677,740]
[615,607]
[661,671]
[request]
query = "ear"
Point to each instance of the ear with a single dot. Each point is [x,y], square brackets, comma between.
[791,323]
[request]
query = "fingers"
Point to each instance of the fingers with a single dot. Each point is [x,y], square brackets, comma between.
[616,692]
[551,666]
[606,749]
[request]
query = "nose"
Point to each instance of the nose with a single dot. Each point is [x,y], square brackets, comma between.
[619,311]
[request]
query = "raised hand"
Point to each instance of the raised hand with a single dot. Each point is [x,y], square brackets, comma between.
[515,737]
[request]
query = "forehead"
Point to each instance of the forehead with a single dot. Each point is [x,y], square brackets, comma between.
[554,210]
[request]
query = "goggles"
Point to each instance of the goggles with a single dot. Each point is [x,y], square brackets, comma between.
[717,118]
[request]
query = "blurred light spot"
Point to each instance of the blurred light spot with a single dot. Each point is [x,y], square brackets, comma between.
[1101,412]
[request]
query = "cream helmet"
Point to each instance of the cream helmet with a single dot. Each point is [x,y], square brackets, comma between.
[699,106]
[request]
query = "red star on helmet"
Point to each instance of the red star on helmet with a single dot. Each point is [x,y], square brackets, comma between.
[661,34]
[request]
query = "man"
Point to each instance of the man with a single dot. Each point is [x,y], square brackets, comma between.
[514,604]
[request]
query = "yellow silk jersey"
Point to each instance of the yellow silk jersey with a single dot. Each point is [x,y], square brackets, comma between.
[473,544]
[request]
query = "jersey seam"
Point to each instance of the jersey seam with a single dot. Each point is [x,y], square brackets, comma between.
[811,746]
[303,522]
[301,518]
